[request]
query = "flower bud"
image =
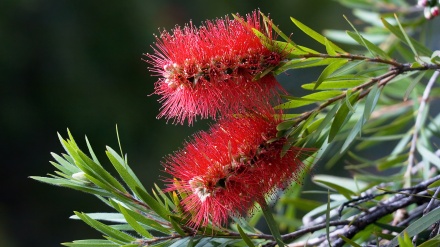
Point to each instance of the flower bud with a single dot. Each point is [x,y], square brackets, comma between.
[81,177]
[435,11]
[427,13]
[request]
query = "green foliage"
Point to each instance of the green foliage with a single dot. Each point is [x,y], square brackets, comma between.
[358,104]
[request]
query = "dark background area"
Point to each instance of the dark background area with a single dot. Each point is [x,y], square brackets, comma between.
[77,64]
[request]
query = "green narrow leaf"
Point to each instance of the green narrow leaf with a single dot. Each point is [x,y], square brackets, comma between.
[418,46]
[264,40]
[418,226]
[428,155]
[329,116]
[313,126]
[371,101]
[152,203]
[300,63]
[124,170]
[69,166]
[91,152]
[433,242]
[272,224]
[374,49]
[107,230]
[334,84]
[285,125]
[336,187]
[295,103]
[328,71]
[91,243]
[405,241]
[111,217]
[133,223]
[408,41]
[347,68]
[100,173]
[353,134]
[342,116]
[330,50]
[349,241]
[165,198]
[176,226]
[143,218]
[63,169]
[314,35]
[413,84]
[245,238]
[324,95]
[277,30]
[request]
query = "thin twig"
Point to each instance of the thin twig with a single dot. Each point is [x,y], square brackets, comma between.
[418,125]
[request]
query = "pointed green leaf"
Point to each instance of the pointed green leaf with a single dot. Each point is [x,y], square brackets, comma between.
[408,41]
[124,170]
[245,238]
[107,230]
[301,63]
[91,152]
[133,223]
[69,166]
[176,226]
[324,123]
[314,35]
[285,125]
[272,224]
[111,217]
[165,198]
[334,84]
[349,241]
[428,155]
[417,46]
[353,134]
[371,101]
[324,95]
[145,218]
[295,103]
[328,71]
[433,242]
[413,84]
[374,49]
[337,184]
[72,185]
[405,241]
[91,243]
[100,173]
[277,30]
[330,50]
[152,203]
[342,116]
[313,126]
[418,226]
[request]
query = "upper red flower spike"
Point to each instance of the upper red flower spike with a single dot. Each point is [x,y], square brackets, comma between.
[208,71]
[225,171]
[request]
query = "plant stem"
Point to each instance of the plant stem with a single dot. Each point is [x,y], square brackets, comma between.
[418,125]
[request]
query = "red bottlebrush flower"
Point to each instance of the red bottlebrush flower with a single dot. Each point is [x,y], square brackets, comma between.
[208,71]
[223,172]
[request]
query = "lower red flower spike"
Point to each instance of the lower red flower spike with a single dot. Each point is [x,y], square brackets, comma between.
[208,71]
[225,171]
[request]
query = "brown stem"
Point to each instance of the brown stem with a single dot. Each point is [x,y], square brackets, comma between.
[395,70]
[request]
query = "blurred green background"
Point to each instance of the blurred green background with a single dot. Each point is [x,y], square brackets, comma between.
[77,64]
